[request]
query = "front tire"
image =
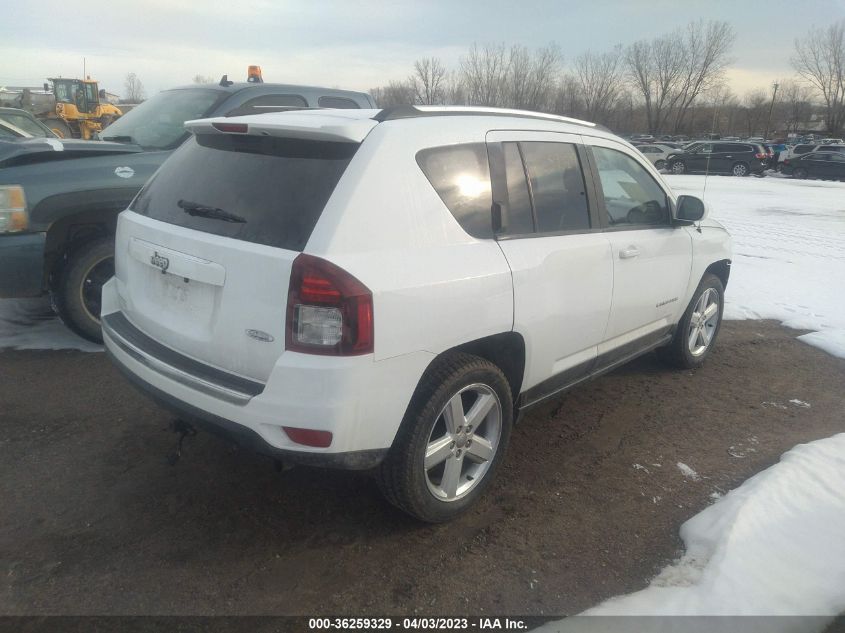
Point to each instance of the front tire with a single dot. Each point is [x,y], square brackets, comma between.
[799,173]
[60,128]
[695,335]
[451,441]
[77,296]
[678,167]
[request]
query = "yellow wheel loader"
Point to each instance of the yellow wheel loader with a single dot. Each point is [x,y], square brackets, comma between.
[72,109]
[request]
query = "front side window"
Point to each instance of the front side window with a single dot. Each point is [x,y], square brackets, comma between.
[631,196]
[460,174]
[557,184]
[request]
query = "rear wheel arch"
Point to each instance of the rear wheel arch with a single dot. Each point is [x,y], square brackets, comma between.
[505,350]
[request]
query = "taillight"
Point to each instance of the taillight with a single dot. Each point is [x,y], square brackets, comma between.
[785,161]
[761,156]
[329,311]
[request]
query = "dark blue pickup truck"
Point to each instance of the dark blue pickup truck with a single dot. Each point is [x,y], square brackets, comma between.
[59,199]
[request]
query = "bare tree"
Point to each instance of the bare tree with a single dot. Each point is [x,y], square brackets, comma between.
[705,48]
[754,106]
[794,106]
[530,83]
[655,69]
[134,88]
[820,60]
[567,99]
[485,74]
[394,93]
[599,77]
[429,80]
[203,79]
[455,92]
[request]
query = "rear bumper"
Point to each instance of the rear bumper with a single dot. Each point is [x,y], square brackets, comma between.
[22,265]
[360,401]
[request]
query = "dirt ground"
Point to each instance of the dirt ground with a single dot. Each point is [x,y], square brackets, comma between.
[587,506]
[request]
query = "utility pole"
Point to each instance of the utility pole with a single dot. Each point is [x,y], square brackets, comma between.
[771,107]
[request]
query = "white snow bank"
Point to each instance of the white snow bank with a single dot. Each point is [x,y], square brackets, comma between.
[789,251]
[773,546]
[31,324]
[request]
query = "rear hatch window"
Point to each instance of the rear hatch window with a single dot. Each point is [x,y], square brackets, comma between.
[260,189]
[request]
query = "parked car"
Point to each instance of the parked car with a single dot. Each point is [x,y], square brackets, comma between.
[63,242]
[739,159]
[17,123]
[385,289]
[821,165]
[800,150]
[656,154]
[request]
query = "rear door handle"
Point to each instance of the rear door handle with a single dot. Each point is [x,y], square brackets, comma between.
[629,253]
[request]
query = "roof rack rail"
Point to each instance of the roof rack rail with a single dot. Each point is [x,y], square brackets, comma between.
[393,113]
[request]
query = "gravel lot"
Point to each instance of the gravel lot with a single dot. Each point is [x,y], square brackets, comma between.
[587,506]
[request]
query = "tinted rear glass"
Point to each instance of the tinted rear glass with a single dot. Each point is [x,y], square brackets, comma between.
[460,175]
[337,102]
[278,187]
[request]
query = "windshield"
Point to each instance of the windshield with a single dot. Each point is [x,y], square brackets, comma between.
[159,122]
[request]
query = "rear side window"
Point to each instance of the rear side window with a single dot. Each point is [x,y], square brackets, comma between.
[338,102]
[460,175]
[276,101]
[259,189]
[801,149]
[520,216]
[557,186]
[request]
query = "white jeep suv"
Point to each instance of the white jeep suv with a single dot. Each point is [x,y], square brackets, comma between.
[388,289]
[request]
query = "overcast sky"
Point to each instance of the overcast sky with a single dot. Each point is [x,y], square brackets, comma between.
[362,44]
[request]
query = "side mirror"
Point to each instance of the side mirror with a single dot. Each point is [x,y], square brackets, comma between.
[690,209]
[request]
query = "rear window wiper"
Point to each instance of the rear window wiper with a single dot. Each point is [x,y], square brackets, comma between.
[213,213]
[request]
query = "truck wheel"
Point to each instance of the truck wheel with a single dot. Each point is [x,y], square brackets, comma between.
[60,128]
[451,441]
[699,326]
[78,295]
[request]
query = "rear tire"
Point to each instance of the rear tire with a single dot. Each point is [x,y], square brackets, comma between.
[740,169]
[435,438]
[799,173]
[659,165]
[695,335]
[77,295]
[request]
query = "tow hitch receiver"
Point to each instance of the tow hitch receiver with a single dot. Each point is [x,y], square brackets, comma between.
[183,429]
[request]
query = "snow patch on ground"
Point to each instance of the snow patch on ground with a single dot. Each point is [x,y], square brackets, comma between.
[688,472]
[32,324]
[789,251]
[773,546]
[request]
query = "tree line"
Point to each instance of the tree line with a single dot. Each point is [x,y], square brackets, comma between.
[670,84]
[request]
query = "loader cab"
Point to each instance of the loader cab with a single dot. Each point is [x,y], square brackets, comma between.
[82,95]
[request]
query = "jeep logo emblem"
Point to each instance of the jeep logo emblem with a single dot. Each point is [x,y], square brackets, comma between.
[160,262]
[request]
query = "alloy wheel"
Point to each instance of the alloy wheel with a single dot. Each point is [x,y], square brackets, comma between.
[463,442]
[703,322]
